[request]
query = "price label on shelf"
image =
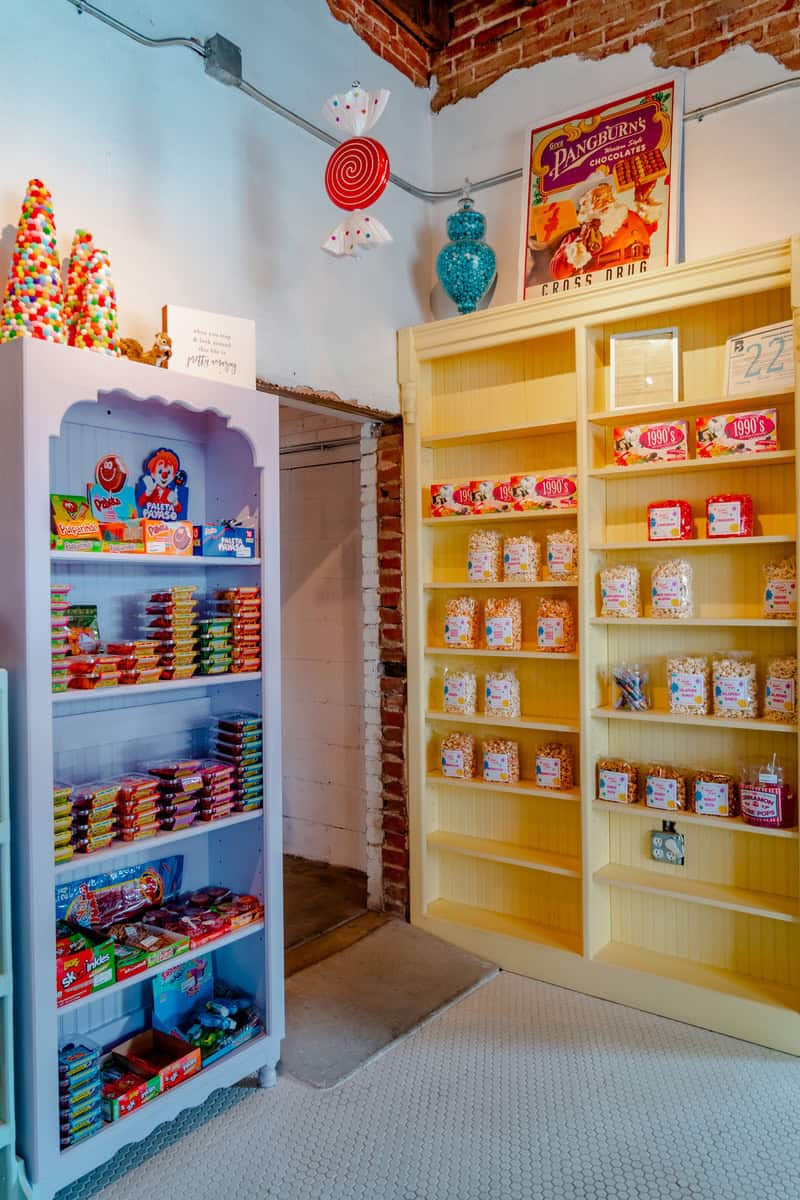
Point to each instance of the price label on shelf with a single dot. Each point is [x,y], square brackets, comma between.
[760,361]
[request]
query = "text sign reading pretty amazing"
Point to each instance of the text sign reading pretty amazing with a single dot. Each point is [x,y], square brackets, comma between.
[601,194]
[211,345]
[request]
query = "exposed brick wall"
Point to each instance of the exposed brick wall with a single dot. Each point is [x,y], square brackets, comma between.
[491,37]
[393,662]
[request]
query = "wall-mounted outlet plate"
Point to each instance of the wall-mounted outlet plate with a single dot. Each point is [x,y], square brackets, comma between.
[668,847]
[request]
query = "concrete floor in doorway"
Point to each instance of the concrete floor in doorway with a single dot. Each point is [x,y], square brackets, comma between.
[318,897]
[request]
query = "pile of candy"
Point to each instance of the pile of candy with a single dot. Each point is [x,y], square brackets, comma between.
[173,625]
[77,276]
[97,324]
[33,303]
[243,605]
[62,822]
[94,816]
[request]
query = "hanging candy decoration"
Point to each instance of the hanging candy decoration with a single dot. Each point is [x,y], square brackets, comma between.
[357,171]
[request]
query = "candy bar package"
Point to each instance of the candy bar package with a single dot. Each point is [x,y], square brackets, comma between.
[546,491]
[665,442]
[101,900]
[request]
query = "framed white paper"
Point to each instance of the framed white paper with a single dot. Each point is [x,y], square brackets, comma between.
[760,361]
[211,345]
[644,368]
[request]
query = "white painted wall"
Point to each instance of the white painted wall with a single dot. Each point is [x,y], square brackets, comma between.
[204,198]
[742,174]
[323,664]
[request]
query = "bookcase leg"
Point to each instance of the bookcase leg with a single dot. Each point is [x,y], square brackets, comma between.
[267,1077]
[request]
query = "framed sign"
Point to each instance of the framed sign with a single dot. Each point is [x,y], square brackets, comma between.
[601,193]
[211,345]
[644,368]
[760,361]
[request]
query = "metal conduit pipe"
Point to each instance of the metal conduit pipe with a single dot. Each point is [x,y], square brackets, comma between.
[249,89]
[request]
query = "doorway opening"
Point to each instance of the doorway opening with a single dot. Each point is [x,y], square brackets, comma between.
[330,649]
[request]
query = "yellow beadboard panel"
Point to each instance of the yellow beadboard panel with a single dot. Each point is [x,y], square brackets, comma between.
[524,787]
[541,824]
[498,433]
[545,723]
[660,716]
[509,853]
[622,512]
[500,459]
[446,545]
[704,748]
[686,410]
[725,583]
[687,820]
[715,895]
[699,542]
[552,901]
[767,865]
[756,947]
[517,384]
[546,686]
[716,979]
[702,332]
[504,925]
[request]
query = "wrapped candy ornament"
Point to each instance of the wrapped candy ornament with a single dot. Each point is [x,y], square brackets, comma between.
[357,171]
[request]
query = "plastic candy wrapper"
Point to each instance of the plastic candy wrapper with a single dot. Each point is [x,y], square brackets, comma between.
[766,797]
[620,592]
[780,589]
[460,692]
[669,520]
[631,687]
[729,514]
[116,896]
[671,589]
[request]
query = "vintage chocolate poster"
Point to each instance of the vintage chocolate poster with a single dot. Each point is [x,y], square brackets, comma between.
[601,194]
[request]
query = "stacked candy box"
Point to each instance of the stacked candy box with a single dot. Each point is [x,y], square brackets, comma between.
[219,789]
[137,807]
[216,650]
[93,671]
[94,816]
[59,637]
[179,787]
[62,822]
[240,743]
[79,1092]
[139,661]
[172,622]
[243,606]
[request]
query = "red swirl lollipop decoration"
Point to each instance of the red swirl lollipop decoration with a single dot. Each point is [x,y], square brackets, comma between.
[357,171]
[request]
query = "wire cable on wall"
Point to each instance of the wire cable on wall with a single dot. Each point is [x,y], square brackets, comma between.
[208,51]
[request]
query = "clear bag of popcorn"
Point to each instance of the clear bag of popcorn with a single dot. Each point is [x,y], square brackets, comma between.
[780,690]
[500,761]
[485,556]
[503,622]
[780,589]
[562,554]
[620,594]
[502,697]
[734,685]
[555,626]
[521,557]
[458,756]
[462,622]
[460,692]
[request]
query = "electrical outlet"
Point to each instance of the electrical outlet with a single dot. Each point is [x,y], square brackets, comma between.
[667,846]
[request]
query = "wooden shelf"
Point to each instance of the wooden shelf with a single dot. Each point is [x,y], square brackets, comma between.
[535,514]
[523,788]
[553,725]
[88,864]
[504,925]
[729,462]
[715,895]
[717,979]
[497,433]
[659,717]
[462,585]
[115,989]
[725,824]
[148,560]
[506,852]
[676,412]
[678,546]
[163,686]
[510,654]
[696,622]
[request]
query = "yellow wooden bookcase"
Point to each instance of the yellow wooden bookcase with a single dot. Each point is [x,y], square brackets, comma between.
[562,887]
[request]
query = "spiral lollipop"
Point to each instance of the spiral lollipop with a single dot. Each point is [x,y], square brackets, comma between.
[357,171]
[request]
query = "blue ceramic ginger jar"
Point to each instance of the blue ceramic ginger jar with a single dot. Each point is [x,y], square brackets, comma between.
[466,265]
